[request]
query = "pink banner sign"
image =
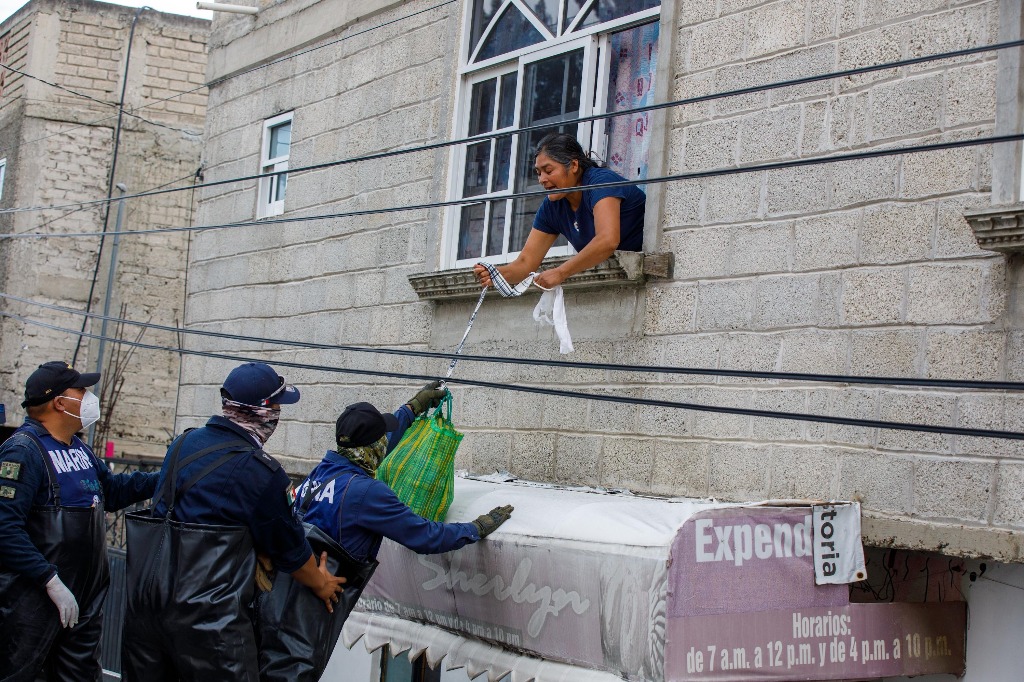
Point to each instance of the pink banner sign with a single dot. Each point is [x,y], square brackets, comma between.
[850,642]
[743,605]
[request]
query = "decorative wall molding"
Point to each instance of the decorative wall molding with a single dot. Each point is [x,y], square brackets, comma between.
[998,228]
[624,267]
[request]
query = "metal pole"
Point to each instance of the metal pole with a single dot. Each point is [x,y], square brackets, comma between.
[110,291]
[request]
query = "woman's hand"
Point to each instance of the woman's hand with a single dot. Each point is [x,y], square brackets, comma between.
[549,279]
[482,276]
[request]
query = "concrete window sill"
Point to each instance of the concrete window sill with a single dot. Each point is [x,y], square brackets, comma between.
[999,228]
[624,267]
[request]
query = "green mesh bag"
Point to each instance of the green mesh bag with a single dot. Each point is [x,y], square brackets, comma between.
[421,469]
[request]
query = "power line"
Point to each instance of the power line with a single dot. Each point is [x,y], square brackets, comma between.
[98,101]
[647,402]
[778,165]
[600,366]
[330,43]
[585,119]
[217,82]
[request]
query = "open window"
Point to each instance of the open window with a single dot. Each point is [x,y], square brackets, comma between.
[547,64]
[274,152]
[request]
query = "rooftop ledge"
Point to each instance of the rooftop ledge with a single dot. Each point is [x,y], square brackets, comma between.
[623,268]
[998,228]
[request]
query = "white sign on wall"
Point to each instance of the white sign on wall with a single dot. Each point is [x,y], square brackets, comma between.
[838,552]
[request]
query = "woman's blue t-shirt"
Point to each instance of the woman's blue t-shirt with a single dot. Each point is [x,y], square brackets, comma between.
[557,217]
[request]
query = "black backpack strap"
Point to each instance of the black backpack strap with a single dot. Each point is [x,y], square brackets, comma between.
[341,506]
[51,470]
[177,464]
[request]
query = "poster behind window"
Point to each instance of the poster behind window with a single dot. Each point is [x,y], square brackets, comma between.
[633,61]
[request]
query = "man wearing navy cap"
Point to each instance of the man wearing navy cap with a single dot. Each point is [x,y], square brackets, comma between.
[53,494]
[220,500]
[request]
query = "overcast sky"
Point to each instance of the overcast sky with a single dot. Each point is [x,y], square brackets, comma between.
[9,7]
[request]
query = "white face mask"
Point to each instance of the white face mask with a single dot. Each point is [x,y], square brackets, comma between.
[89,413]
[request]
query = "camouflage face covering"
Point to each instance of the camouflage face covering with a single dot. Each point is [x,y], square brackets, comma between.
[259,421]
[367,457]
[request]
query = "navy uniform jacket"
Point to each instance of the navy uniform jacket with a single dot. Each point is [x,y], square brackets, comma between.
[250,490]
[84,481]
[370,509]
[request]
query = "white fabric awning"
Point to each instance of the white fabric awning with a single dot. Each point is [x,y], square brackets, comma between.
[588,586]
[454,651]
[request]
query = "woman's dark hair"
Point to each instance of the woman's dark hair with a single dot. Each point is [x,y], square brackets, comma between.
[564,149]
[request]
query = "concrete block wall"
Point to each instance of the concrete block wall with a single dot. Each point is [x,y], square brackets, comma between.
[337,280]
[850,268]
[62,154]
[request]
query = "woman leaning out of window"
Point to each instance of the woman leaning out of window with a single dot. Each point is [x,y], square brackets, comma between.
[596,222]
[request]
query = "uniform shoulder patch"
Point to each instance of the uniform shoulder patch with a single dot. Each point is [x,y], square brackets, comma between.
[10,470]
[7,492]
[266,460]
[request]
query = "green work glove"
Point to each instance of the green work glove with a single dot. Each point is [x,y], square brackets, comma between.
[429,396]
[489,522]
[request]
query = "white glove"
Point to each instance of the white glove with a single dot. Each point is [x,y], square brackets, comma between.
[65,602]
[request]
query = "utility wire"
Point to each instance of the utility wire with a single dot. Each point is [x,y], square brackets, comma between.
[585,119]
[221,80]
[98,101]
[778,165]
[648,402]
[498,359]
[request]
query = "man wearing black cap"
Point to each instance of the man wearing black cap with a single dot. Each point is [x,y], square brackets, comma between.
[343,498]
[221,499]
[53,494]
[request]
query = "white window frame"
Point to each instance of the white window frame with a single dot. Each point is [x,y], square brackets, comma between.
[595,41]
[3,175]
[268,204]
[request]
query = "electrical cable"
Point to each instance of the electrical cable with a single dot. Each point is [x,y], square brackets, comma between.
[98,101]
[777,165]
[82,208]
[648,402]
[497,359]
[221,80]
[585,119]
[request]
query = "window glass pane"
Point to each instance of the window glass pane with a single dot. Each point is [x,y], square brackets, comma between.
[478,158]
[552,88]
[280,140]
[471,232]
[572,8]
[512,32]
[502,163]
[551,94]
[282,184]
[507,106]
[547,12]
[483,10]
[481,111]
[496,229]
[633,59]
[606,10]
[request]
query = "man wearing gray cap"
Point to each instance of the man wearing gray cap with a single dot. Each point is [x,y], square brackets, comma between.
[53,494]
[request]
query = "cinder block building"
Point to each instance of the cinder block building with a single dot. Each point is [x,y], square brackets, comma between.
[903,265]
[73,64]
